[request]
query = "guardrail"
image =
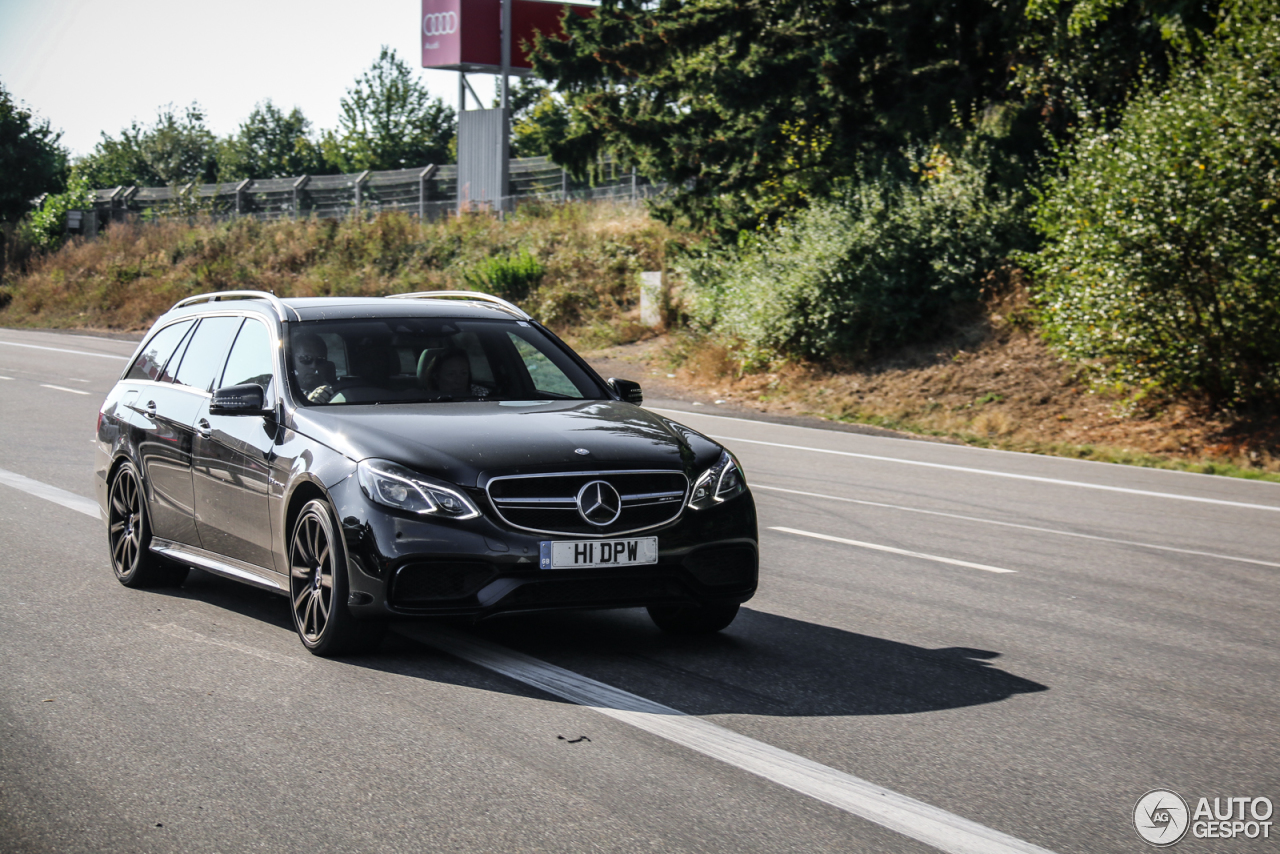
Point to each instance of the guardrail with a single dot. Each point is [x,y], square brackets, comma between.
[429,192]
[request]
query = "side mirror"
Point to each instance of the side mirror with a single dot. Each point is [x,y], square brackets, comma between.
[247,399]
[627,390]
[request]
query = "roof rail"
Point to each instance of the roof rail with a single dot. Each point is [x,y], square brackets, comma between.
[472,295]
[218,296]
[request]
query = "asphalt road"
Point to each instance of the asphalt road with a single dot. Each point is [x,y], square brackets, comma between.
[952,649]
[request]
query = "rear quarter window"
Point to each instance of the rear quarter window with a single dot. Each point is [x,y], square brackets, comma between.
[156,352]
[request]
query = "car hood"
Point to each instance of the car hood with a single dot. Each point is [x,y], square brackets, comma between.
[462,441]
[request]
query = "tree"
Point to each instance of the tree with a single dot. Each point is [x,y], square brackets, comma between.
[539,119]
[176,149]
[753,107]
[390,121]
[1084,57]
[270,144]
[1161,233]
[31,160]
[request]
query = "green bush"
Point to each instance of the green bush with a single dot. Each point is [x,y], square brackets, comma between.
[47,226]
[510,278]
[888,263]
[1161,254]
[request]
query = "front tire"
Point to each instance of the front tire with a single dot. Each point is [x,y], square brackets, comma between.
[693,619]
[129,536]
[318,588]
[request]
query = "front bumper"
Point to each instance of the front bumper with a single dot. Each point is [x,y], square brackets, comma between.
[405,566]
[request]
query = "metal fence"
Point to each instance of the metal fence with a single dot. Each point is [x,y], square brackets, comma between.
[429,192]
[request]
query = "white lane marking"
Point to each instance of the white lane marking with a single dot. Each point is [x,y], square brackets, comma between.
[892,550]
[77,337]
[63,388]
[827,431]
[64,350]
[6,378]
[70,500]
[175,631]
[1057,481]
[1100,539]
[915,819]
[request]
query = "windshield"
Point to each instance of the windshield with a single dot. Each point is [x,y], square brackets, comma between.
[413,360]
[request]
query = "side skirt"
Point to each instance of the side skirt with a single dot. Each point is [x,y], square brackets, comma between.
[219,565]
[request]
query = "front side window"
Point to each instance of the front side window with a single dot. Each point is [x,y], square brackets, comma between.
[419,360]
[250,358]
[546,376]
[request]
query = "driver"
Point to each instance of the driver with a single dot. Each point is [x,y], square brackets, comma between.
[309,355]
[450,374]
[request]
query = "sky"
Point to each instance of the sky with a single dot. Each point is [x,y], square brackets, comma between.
[90,66]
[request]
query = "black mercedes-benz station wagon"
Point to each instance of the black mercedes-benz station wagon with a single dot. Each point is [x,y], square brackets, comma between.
[425,455]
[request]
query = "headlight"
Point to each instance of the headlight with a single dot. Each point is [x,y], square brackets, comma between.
[718,484]
[398,487]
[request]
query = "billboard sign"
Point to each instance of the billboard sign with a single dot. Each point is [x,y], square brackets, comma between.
[466,35]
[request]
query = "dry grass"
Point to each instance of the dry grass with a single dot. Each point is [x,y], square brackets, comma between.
[126,278]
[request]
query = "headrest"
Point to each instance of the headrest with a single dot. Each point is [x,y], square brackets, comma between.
[424,368]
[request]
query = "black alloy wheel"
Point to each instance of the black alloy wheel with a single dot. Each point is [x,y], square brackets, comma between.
[318,588]
[693,619]
[129,536]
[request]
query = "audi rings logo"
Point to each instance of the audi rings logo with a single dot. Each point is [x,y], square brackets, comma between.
[599,503]
[440,24]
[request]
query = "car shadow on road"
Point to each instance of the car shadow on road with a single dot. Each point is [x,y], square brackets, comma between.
[763,664]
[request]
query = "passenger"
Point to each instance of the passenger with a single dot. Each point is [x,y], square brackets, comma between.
[450,374]
[310,357]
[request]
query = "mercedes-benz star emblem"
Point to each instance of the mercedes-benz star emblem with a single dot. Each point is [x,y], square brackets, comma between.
[599,503]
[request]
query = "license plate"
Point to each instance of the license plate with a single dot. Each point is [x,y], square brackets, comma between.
[585,554]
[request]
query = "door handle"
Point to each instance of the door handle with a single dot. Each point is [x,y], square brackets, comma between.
[150,409]
[204,428]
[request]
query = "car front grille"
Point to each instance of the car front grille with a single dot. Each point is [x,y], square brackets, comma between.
[548,503]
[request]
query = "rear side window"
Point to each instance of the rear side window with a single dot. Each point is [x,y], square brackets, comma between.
[206,353]
[250,360]
[150,362]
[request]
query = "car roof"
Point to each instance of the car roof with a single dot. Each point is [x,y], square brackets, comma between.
[350,308]
[334,308]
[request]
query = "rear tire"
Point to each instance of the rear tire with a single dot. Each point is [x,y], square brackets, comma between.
[693,619]
[129,536]
[318,588]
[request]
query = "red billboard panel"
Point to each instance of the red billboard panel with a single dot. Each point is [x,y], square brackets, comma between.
[466,35]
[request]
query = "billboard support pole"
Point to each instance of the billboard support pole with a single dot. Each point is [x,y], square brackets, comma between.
[505,142]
